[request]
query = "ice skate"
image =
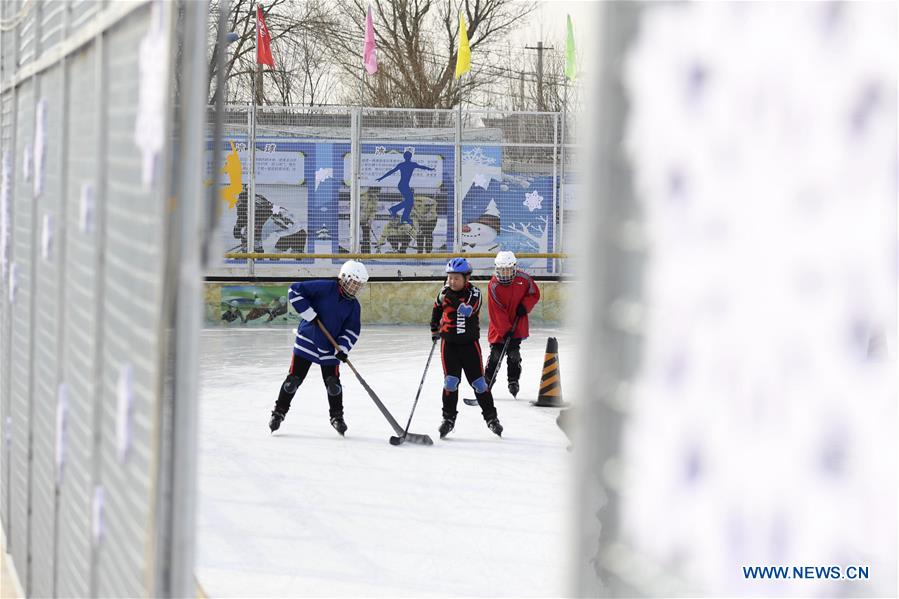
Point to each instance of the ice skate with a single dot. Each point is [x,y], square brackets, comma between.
[276,420]
[339,425]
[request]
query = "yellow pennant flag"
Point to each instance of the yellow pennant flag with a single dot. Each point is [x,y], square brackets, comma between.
[463,57]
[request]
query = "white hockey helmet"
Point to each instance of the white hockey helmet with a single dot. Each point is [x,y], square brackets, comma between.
[506,264]
[353,275]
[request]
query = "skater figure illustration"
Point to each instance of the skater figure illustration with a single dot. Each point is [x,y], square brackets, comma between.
[405,168]
[229,193]
[369,201]
[396,233]
[232,313]
[263,212]
[289,236]
[277,308]
[257,311]
[424,221]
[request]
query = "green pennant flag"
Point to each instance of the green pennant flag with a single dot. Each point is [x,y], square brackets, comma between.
[570,63]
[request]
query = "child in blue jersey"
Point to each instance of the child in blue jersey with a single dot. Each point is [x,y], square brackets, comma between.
[334,304]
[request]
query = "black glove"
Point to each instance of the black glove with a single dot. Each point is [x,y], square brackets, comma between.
[521,310]
[341,356]
[435,335]
[508,335]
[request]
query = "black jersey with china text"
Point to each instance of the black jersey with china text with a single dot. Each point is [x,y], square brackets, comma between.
[455,314]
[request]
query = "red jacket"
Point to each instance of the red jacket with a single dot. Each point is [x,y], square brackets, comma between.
[503,302]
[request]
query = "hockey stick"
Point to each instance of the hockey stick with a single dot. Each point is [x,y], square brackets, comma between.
[411,437]
[399,440]
[474,402]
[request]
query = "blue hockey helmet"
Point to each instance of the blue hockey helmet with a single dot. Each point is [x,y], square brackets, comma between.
[458,265]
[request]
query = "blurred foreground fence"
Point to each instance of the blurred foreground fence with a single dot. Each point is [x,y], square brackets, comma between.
[738,407]
[99,285]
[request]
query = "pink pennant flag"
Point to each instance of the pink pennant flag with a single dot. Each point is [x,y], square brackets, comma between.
[369,51]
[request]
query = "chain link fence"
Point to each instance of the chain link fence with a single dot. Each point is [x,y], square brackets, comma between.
[394,185]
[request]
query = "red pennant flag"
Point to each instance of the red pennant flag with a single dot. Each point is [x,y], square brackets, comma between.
[263,40]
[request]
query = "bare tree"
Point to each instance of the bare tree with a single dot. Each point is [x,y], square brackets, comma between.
[417,44]
[317,46]
[519,82]
[303,74]
[300,72]
[555,85]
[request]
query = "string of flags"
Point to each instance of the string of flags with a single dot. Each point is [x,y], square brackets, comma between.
[370,51]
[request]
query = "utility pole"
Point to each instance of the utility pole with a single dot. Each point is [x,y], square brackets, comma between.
[540,48]
[520,90]
[257,79]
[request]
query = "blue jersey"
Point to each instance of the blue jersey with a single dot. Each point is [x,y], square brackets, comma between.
[340,314]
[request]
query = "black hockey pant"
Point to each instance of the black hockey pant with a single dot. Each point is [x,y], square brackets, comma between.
[299,368]
[457,357]
[513,360]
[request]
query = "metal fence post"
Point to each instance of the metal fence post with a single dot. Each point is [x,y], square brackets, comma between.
[562,173]
[457,183]
[177,520]
[355,169]
[556,226]
[251,188]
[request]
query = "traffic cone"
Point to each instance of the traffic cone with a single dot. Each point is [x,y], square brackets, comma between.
[550,395]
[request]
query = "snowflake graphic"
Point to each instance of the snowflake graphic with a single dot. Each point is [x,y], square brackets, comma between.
[482,180]
[322,175]
[409,149]
[533,200]
[476,156]
[380,150]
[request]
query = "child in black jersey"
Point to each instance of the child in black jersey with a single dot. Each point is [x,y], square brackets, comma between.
[454,320]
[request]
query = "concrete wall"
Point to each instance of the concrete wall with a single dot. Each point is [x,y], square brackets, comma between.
[383,302]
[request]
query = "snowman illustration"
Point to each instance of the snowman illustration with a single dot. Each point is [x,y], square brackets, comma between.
[480,235]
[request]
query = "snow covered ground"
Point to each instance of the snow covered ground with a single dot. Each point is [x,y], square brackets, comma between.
[305,512]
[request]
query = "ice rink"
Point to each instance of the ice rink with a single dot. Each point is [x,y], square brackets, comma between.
[305,512]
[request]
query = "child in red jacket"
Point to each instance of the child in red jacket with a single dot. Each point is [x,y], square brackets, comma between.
[511,293]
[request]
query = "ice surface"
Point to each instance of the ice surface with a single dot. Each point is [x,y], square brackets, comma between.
[305,512]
